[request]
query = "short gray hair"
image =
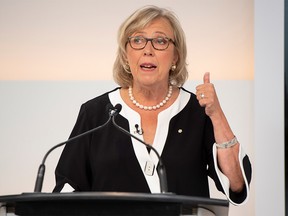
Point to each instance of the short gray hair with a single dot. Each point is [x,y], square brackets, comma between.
[139,20]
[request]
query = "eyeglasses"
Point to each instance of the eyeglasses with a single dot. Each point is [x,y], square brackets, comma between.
[159,43]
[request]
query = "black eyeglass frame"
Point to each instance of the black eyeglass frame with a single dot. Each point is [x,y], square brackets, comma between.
[151,40]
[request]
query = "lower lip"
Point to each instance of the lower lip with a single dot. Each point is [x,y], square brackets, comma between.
[148,69]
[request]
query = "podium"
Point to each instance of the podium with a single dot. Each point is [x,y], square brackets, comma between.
[111,203]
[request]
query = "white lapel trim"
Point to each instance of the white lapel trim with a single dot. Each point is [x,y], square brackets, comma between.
[160,136]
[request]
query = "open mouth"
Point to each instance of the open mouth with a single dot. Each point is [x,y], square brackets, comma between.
[148,66]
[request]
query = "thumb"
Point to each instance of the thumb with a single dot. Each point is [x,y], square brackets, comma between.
[206,78]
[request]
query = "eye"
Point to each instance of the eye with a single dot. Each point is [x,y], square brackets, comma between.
[138,40]
[161,40]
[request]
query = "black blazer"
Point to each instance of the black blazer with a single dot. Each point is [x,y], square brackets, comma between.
[105,160]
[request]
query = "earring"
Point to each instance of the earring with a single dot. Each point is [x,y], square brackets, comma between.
[173,82]
[173,67]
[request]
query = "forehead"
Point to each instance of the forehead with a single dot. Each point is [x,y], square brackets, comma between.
[159,25]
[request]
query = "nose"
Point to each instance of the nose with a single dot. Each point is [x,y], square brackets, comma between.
[149,50]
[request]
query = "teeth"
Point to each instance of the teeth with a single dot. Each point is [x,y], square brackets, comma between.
[147,66]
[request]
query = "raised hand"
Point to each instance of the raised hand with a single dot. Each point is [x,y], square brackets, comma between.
[207,97]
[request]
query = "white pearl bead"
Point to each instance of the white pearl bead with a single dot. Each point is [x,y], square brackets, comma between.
[150,107]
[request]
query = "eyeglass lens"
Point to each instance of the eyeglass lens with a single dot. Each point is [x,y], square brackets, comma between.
[139,42]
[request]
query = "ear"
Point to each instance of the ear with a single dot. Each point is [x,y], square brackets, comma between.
[175,58]
[125,58]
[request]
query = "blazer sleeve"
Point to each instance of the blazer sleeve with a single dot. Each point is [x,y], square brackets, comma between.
[221,181]
[235,198]
[73,166]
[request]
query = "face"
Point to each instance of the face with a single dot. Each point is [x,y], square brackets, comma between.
[150,67]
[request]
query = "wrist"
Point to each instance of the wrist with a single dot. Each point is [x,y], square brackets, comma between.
[227,144]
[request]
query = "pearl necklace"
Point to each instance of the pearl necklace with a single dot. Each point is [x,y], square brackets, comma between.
[150,107]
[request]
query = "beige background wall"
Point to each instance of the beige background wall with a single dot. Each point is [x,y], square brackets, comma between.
[76,40]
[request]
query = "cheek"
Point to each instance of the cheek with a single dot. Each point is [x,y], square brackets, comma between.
[132,57]
[166,60]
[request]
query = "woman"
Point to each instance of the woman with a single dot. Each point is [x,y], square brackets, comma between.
[189,130]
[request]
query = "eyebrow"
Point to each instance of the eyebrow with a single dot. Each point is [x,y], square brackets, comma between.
[157,32]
